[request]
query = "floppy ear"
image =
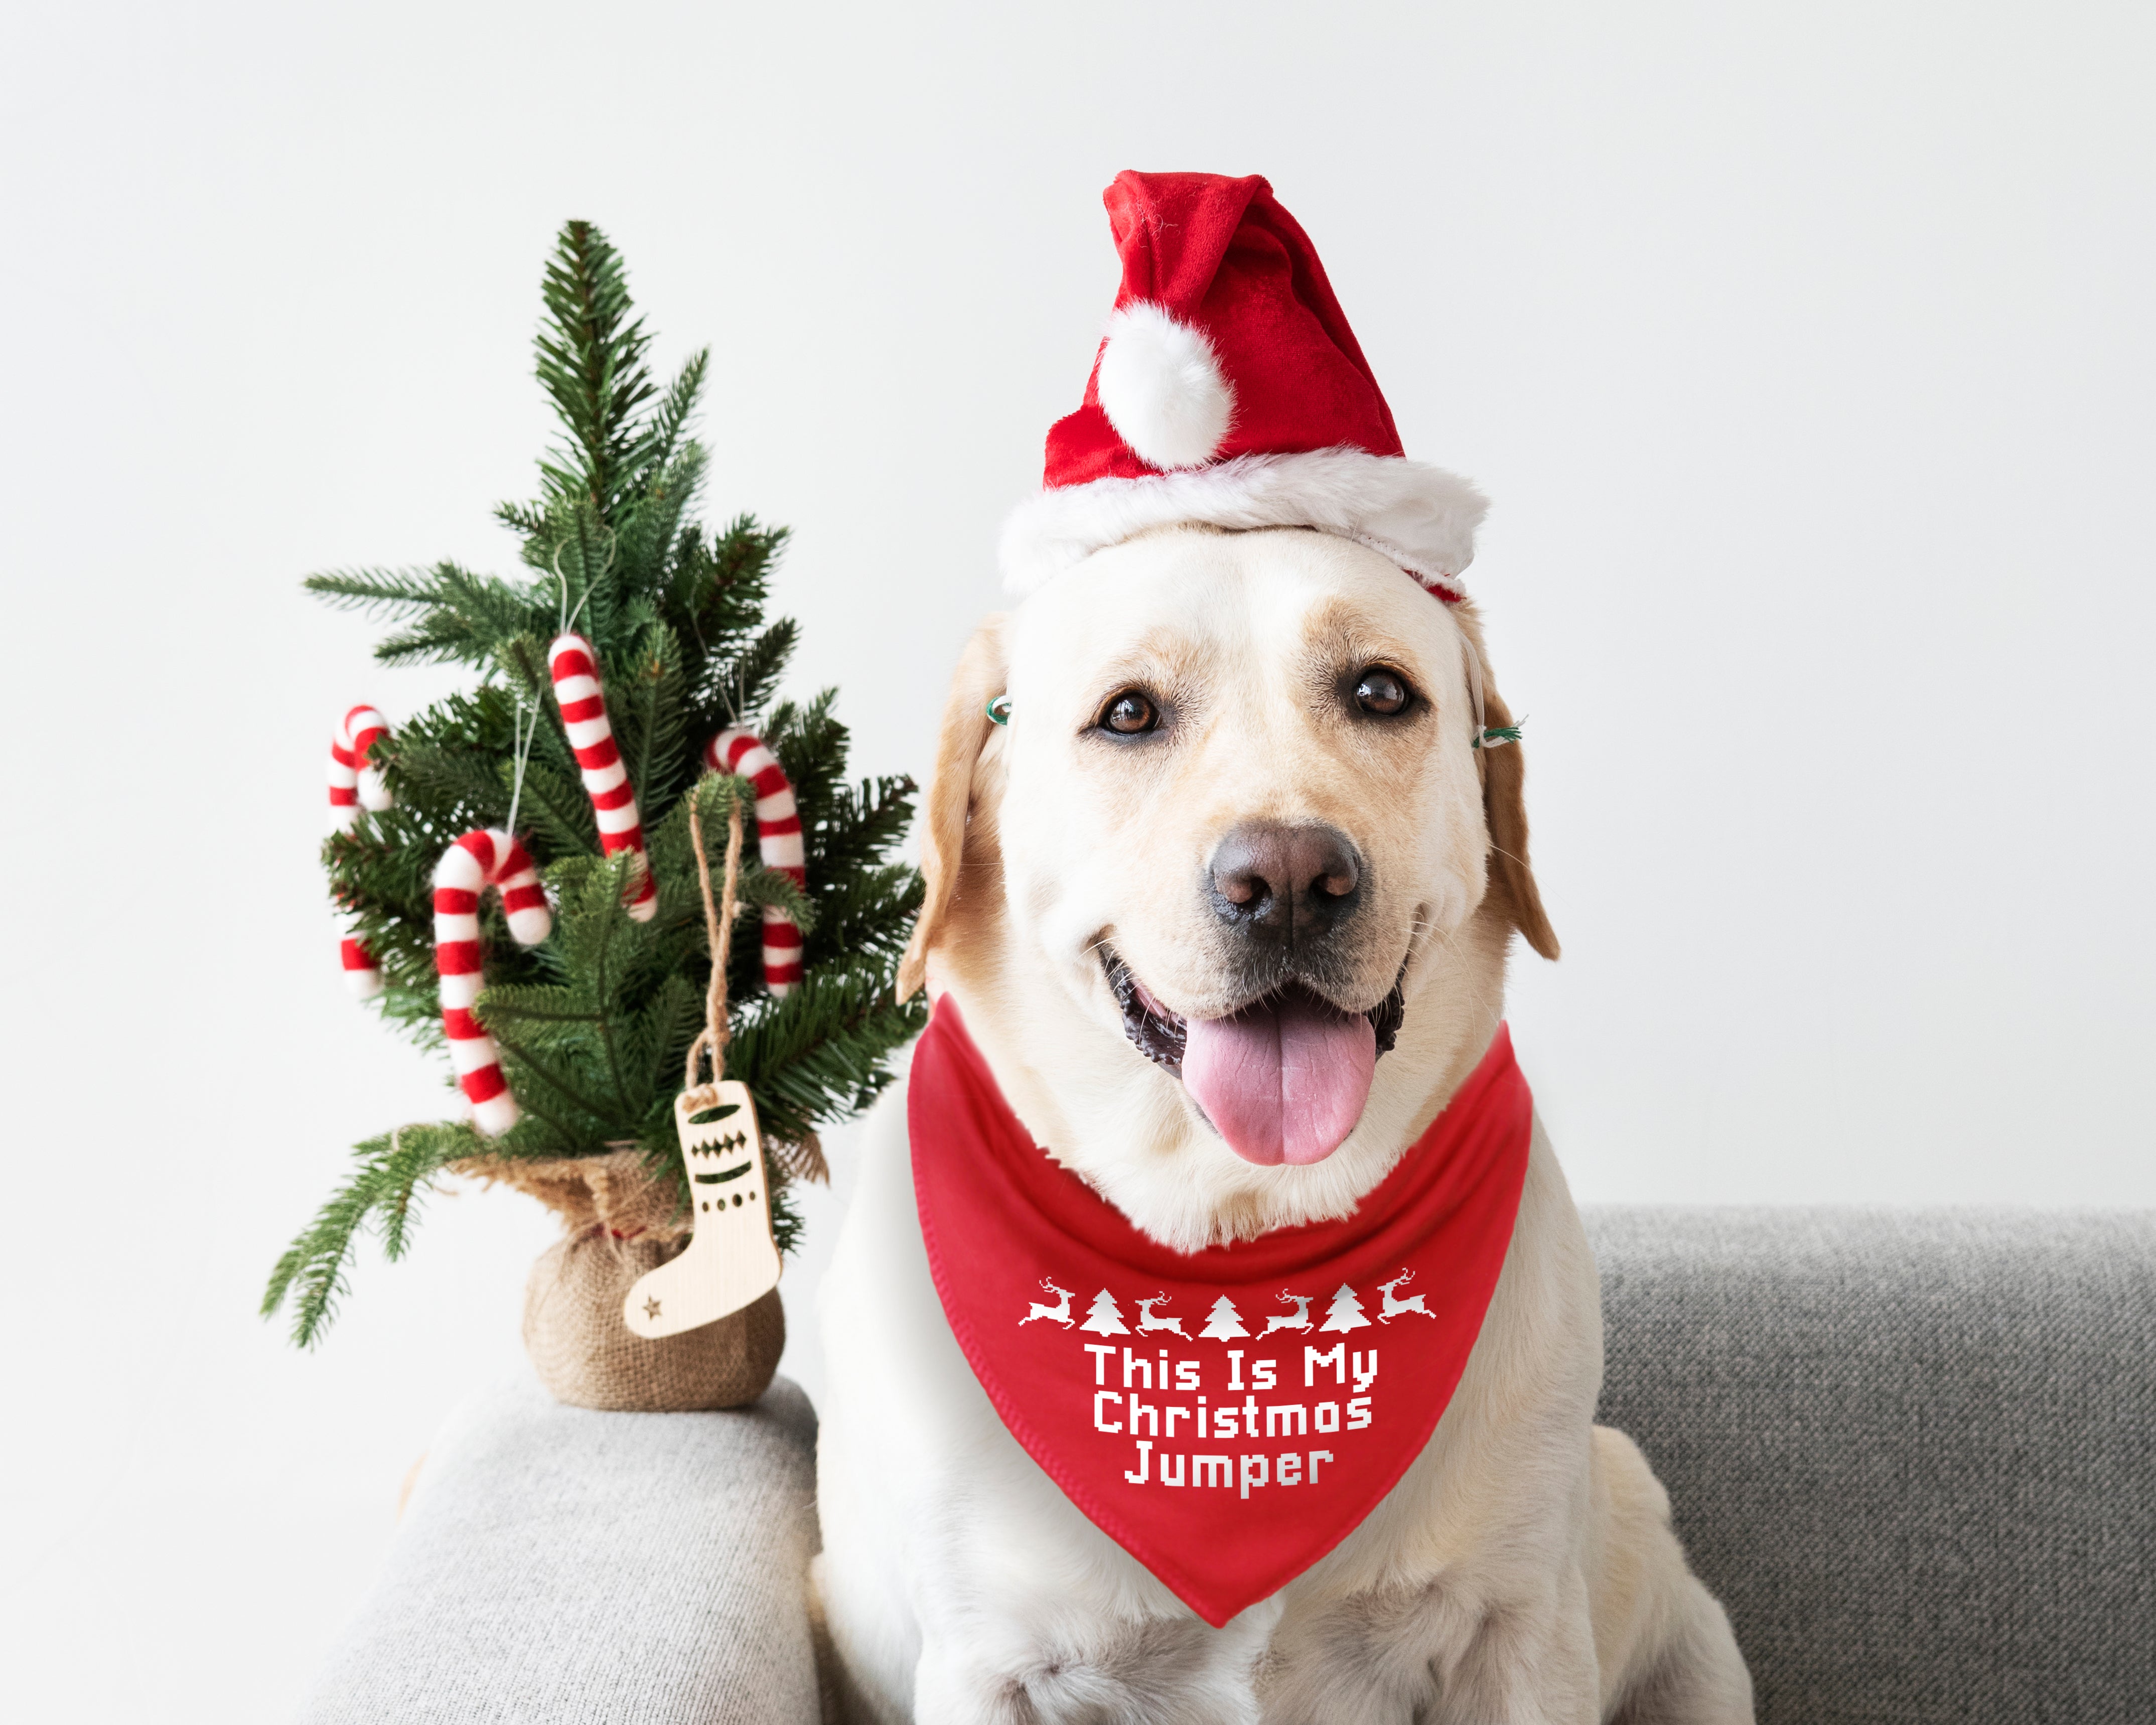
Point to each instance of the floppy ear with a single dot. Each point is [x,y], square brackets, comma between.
[967,729]
[1504,807]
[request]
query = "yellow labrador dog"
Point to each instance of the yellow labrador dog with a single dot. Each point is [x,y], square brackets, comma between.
[1239,769]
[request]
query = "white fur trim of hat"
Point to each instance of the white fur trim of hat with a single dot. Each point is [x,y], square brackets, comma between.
[1420,516]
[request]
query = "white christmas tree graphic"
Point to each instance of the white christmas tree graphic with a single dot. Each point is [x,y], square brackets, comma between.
[1345,1313]
[1223,1323]
[1102,1318]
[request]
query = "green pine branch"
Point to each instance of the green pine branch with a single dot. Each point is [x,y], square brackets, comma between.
[385,1190]
[591,362]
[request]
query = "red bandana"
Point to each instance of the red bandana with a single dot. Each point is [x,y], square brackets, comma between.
[1221,1415]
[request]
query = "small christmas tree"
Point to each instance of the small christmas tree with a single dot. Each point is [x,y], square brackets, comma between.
[1224,1322]
[1103,1318]
[1345,1313]
[593,1024]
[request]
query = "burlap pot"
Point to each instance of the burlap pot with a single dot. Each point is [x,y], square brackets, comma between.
[585,1355]
[622,1223]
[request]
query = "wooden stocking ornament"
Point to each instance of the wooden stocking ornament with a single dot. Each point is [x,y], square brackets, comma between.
[732,1258]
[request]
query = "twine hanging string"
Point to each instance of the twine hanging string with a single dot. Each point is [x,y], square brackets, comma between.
[719,926]
[798,1160]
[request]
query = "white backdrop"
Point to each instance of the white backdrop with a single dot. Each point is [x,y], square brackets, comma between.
[1805,351]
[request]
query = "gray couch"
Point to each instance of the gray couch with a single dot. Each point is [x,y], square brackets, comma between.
[1915,1453]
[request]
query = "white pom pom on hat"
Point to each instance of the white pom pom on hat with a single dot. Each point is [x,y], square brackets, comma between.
[1161,387]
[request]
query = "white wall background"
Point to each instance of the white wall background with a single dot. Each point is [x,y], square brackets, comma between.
[1806,351]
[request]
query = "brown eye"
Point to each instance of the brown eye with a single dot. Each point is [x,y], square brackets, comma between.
[1130,714]
[1380,692]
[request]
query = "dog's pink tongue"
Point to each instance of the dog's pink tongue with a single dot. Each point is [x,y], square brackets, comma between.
[1283,1082]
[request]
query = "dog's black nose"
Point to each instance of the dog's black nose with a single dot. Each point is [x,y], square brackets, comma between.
[1286,883]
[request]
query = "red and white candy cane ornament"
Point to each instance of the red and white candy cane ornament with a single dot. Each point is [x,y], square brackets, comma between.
[575,670]
[778,843]
[353,786]
[475,862]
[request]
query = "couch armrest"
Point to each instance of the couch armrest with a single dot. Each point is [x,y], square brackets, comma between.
[557,1565]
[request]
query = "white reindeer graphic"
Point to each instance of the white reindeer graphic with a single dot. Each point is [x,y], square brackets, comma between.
[1393,1307]
[1147,1321]
[1300,1322]
[1059,1313]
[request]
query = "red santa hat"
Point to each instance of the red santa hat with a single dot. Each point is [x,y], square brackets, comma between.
[1230,390]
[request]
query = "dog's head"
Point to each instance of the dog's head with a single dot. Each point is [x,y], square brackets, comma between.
[1226,901]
